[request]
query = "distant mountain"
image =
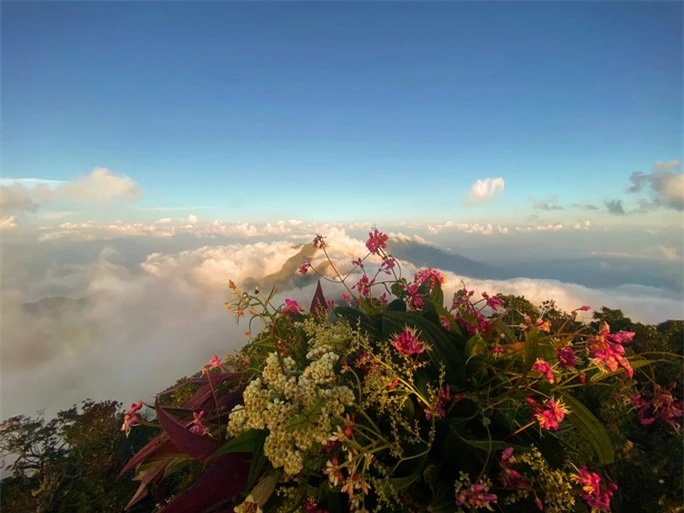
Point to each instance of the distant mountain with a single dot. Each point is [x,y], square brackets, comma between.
[287,278]
[423,255]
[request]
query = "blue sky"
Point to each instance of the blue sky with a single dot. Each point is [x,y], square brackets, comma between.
[369,112]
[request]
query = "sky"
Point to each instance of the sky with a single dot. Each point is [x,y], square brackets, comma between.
[343,112]
[151,151]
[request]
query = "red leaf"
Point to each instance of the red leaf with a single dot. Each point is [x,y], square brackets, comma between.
[148,477]
[195,446]
[318,303]
[222,481]
[159,446]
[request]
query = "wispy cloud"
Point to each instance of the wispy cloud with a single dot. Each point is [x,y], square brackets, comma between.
[173,209]
[548,204]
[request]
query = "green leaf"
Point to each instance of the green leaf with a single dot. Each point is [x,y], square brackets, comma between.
[357,318]
[399,483]
[590,428]
[259,460]
[437,296]
[635,364]
[505,330]
[475,346]
[397,305]
[531,348]
[246,442]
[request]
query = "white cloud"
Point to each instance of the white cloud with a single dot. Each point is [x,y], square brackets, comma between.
[482,229]
[192,219]
[101,186]
[485,188]
[664,185]
[7,222]
[150,324]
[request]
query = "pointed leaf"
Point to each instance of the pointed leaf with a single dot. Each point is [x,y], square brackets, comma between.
[245,442]
[222,481]
[151,474]
[159,446]
[198,447]
[590,428]
[318,303]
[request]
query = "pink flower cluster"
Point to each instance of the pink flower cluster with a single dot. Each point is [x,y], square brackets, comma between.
[432,275]
[311,506]
[511,478]
[407,343]
[541,365]
[566,357]
[596,496]
[659,404]
[197,427]
[291,307]
[607,349]
[550,414]
[476,496]
[376,241]
[131,417]
[442,400]
[214,363]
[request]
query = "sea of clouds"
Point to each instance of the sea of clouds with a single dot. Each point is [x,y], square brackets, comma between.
[147,323]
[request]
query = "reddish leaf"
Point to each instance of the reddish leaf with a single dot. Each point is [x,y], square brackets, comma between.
[318,303]
[222,481]
[159,446]
[195,446]
[152,474]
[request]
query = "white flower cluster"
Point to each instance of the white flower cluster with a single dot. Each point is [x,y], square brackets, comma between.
[299,409]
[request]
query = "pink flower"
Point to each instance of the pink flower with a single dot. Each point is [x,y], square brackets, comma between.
[214,363]
[364,286]
[606,349]
[658,404]
[346,297]
[407,342]
[415,299]
[131,417]
[550,414]
[357,262]
[376,241]
[476,496]
[318,242]
[291,307]
[511,478]
[198,428]
[494,303]
[541,365]
[304,268]
[596,496]
[444,321]
[582,308]
[388,263]
[432,275]
[442,400]
[566,357]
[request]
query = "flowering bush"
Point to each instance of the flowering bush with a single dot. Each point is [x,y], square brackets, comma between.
[394,400]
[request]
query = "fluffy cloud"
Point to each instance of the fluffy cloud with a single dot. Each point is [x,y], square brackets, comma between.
[485,188]
[7,223]
[664,185]
[100,186]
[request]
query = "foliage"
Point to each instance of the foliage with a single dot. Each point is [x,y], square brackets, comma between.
[398,401]
[68,464]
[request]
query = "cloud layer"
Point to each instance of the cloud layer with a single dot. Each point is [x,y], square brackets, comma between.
[147,323]
[486,188]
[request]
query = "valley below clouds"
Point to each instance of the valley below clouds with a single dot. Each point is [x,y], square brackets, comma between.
[124,319]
